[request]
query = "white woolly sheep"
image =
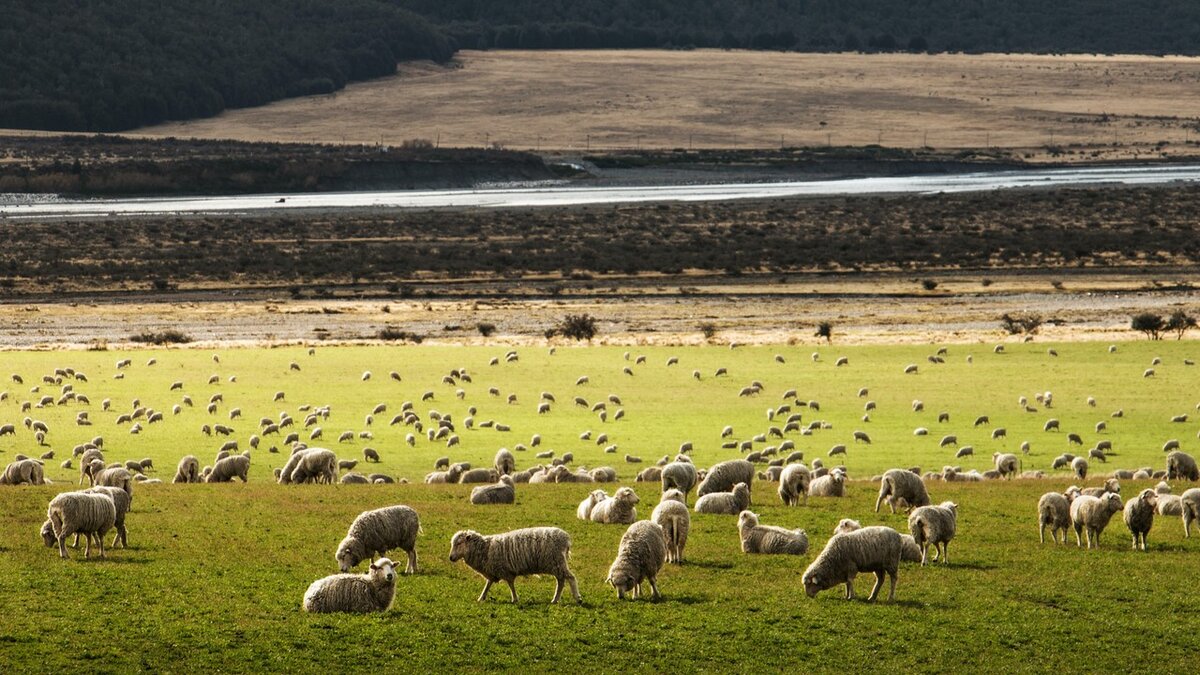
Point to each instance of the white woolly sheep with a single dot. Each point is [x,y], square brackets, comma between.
[502,492]
[225,470]
[23,471]
[504,462]
[1054,511]
[1006,463]
[640,556]
[1139,516]
[360,593]
[793,484]
[1080,466]
[584,510]
[725,503]
[721,477]
[1182,466]
[1111,485]
[673,516]
[679,475]
[909,552]
[832,484]
[533,550]
[89,514]
[901,486]
[769,539]
[377,532]
[617,509]
[1093,514]
[871,549]
[936,526]
[1189,503]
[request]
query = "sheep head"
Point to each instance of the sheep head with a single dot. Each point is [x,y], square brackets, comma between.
[384,568]
[462,542]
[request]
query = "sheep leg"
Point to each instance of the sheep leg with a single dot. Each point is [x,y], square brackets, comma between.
[850,588]
[87,549]
[75,541]
[924,553]
[411,568]
[879,576]
[654,589]
[62,546]
[892,591]
[879,501]
[944,558]
[100,543]
[512,589]
[487,586]
[1042,533]
[574,587]
[1078,539]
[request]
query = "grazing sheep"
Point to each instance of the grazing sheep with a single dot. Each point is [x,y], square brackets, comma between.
[122,502]
[900,486]
[673,516]
[965,451]
[225,470]
[1182,466]
[793,484]
[1050,425]
[360,593]
[316,465]
[1054,510]
[936,526]
[949,439]
[1139,516]
[871,549]
[1080,466]
[1190,509]
[862,437]
[1093,513]
[502,492]
[725,503]
[533,550]
[24,471]
[722,477]
[370,455]
[640,556]
[1006,464]
[376,532]
[832,484]
[769,539]
[909,551]
[89,514]
[838,449]
[504,462]
[650,474]
[617,509]
[679,475]
[1170,445]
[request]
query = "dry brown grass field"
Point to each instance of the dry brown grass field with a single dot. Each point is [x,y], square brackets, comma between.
[1107,107]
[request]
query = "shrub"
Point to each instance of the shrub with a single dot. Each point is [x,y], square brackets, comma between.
[1179,323]
[485,329]
[577,327]
[708,330]
[395,334]
[1015,325]
[825,330]
[929,284]
[166,337]
[1150,324]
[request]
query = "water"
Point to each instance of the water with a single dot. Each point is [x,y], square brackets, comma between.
[14,207]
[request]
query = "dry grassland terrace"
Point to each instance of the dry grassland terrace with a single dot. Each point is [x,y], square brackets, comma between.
[205,558]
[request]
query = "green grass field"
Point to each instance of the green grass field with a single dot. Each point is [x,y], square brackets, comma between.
[215,573]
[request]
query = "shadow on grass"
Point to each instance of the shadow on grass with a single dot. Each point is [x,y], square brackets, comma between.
[707,565]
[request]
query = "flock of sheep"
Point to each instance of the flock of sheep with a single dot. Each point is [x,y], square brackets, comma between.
[646,545]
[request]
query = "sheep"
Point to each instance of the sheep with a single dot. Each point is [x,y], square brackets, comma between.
[793,484]
[871,549]
[1080,466]
[317,465]
[90,514]
[722,477]
[838,449]
[640,556]
[370,455]
[502,492]
[964,451]
[1093,513]
[1006,463]
[650,474]
[1139,516]
[533,550]
[1182,466]
[1050,425]
[1054,510]
[354,478]
[832,484]
[949,439]
[1189,503]
[115,476]
[225,470]
[673,516]
[679,475]
[372,591]
[1170,445]
[479,476]
[934,525]
[769,539]
[725,503]
[377,532]
[584,510]
[909,551]
[1111,485]
[901,484]
[617,509]
[23,471]
[121,500]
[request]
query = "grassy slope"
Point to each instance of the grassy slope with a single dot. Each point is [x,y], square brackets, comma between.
[216,573]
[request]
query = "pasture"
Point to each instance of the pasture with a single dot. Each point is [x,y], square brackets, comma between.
[215,573]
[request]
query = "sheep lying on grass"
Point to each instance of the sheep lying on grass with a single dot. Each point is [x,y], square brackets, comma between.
[617,509]
[640,556]
[361,593]
[377,532]
[503,492]
[725,503]
[532,550]
[723,476]
[769,539]
[871,549]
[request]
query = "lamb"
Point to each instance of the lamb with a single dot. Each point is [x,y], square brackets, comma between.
[871,549]
[1054,510]
[584,510]
[679,475]
[769,539]
[377,532]
[832,484]
[504,462]
[361,593]
[533,550]
[1182,466]
[234,466]
[502,492]
[793,484]
[722,477]
[1139,516]
[1093,513]
[673,516]
[1189,503]
[640,556]
[317,465]
[1006,463]
[618,509]
[901,484]
[725,503]
[92,515]
[909,551]
[934,525]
